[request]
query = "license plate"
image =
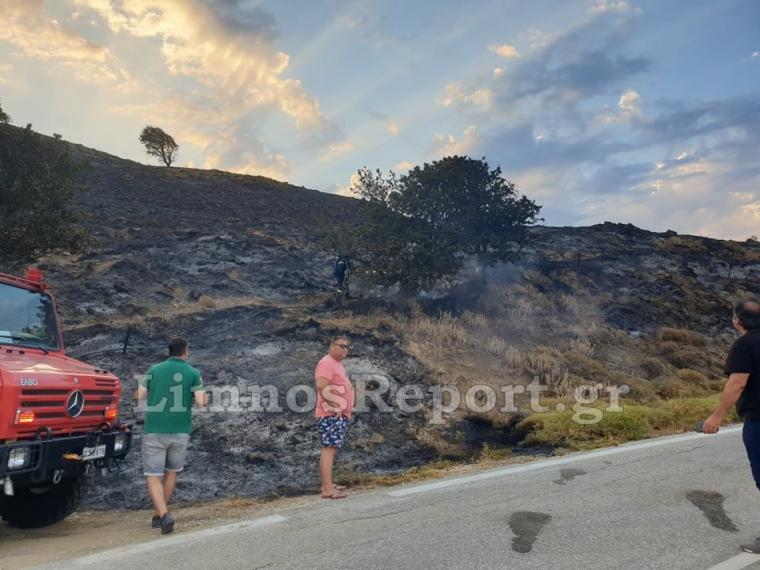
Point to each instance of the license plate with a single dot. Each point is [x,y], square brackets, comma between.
[97,452]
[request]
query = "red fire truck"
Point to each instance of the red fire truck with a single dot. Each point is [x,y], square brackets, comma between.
[58,416]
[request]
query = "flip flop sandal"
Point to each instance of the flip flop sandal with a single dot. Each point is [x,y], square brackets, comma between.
[337,495]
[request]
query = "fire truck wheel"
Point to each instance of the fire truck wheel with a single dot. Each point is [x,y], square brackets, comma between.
[42,506]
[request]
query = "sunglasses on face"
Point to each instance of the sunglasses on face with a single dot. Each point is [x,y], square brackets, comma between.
[343,346]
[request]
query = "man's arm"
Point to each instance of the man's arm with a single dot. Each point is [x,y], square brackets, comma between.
[141,393]
[142,386]
[731,393]
[333,401]
[200,395]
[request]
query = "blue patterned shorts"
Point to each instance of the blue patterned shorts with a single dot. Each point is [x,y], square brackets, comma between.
[333,431]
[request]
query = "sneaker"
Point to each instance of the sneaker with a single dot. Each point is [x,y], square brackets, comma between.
[752,547]
[167,523]
[155,522]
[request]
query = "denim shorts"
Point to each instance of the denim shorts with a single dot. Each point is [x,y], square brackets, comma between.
[333,431]
[164,452]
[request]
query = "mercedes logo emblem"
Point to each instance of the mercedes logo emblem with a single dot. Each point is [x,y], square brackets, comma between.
[75,403]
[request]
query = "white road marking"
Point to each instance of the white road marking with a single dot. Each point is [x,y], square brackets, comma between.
[549,463]
[740,561]
[175,540]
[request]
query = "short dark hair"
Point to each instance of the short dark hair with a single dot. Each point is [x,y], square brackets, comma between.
[177,346]
[748,313]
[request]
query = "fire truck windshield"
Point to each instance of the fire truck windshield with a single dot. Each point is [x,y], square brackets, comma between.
[27,318]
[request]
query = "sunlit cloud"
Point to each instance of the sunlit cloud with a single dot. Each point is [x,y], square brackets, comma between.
[195,43]
[629,103]
[348,189]
[628,108]
[455,94]
[451,94]
[336,150]
[447,145]
[403,166]
[393,128]
[237,76]
[505,50]
[26,25]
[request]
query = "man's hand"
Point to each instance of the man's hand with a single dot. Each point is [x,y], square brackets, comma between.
[712,424]
[201,398]
[337,411]
[728,398]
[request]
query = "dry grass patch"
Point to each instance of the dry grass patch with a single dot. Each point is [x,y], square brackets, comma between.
[433,470]
[545,364]
[476,321]
[683,336]
[490,453]
[166,312]
[586,367]
[682,244]
[497,346]
[582,346]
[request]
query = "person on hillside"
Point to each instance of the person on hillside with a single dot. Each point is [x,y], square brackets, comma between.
[169,388]
[335,400]
[340,273]
[743,388]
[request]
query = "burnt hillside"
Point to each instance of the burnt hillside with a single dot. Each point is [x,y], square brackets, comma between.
[232,262]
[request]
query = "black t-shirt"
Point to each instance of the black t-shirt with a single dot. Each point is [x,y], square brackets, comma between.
[744,357]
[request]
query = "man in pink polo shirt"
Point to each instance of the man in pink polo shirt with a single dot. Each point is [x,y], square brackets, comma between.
[335,400]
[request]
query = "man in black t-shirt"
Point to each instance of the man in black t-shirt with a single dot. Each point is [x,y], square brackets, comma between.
[743,388]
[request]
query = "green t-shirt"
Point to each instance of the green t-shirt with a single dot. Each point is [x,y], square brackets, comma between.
[170,387]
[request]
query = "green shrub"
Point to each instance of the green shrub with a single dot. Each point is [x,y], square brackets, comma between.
[39,182]
[682,355]
[633,423]
[674,388]
[653,367]
[585,367]
[694,378]
[641,391]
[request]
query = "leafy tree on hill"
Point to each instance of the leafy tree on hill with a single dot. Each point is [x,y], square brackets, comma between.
[38,183]
[419,228]
[159,144]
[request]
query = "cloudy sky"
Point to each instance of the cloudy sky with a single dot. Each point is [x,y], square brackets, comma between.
[642,111]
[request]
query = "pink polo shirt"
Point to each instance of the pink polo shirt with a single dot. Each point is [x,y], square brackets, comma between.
[340,387]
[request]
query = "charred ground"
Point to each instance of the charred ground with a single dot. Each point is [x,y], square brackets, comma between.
[233,263]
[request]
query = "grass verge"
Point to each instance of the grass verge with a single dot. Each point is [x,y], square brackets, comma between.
[635,422]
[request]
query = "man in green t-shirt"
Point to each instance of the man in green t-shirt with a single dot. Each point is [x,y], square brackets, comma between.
[170,388]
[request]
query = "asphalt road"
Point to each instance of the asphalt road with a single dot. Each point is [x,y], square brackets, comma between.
[684,502]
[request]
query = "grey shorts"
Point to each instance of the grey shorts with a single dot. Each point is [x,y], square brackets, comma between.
[164,452]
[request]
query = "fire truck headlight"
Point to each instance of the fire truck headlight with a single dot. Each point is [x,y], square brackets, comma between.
[19,457]
[120,443]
